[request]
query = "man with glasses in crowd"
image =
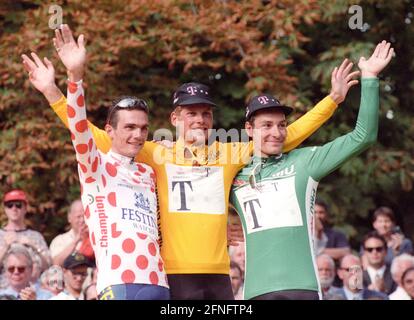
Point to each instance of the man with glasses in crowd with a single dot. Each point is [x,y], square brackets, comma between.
[75,272]
[16,231]
[377,275]
[18,266]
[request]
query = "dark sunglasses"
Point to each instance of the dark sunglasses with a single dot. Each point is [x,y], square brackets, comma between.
[128,103]
[12,204]
[12,269]
[378,249]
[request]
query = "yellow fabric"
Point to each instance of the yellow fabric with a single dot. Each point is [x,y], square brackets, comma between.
[195,242]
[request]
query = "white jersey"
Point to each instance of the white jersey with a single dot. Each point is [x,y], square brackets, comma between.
[120,205]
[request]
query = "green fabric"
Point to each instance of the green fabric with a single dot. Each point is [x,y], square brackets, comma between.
[277,214]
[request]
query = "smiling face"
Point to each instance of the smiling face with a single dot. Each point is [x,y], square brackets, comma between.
[130,133]
[193,122]
[268,130]
[383,225]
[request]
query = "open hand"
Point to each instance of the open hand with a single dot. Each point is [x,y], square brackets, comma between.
[41,73]
[342,79]
[378,61]
[72,53]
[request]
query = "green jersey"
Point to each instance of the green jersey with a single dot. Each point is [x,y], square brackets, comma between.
[275,199]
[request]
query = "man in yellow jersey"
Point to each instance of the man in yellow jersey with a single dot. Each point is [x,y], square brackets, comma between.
[194,180]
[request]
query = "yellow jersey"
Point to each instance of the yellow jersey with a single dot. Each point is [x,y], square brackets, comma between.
[194,185]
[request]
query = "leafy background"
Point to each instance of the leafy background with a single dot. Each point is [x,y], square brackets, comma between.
[239,48]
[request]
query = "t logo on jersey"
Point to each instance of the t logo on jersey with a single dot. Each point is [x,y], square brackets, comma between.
[251,203]
[195,189]
[182,193]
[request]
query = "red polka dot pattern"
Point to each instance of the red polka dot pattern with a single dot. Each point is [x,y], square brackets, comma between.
[142,262]
[81,148]
[95,165]
[81,126]
[115,233]
[71,112]
[116,262]
[103,181]
[141,236]
[90,180]
[153,277]
[111,169]
[128,276]
[72,87]
[141,169]
[128,245]
[80,101]
[87,212]
[90,144]
[152,249]
[112,199]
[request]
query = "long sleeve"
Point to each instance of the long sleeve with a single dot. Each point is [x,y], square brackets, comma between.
[86,151]
[323,160]
[306,125]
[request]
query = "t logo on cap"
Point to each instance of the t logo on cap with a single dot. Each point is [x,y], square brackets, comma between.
[263,99]
[192,90]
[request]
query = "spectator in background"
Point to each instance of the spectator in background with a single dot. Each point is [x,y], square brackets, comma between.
[377,275]
[52,280]
[384,223]
[237,254]
[350,272]
[399,265]
[236,277]
[18,268]
[408,282]
[65,244]
[90,293]
[16,232]
[331,242]
[75,272]
[326,271]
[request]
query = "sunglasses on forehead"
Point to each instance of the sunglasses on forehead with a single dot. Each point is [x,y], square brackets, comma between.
[128,103]
[11,204]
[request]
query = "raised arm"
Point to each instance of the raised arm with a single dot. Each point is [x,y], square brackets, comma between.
[323,160]
[73,56]
[42,77]
[305,126]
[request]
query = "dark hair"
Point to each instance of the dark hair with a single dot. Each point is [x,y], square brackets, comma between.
[319,202]
[374,235]
[405,273]
[383,211]
[137,104]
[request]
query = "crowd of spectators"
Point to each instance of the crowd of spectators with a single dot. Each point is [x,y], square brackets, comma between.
[382,268]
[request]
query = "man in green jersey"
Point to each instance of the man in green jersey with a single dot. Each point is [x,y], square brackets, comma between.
[275,194]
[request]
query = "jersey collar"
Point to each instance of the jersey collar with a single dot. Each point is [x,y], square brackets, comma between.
[120,158]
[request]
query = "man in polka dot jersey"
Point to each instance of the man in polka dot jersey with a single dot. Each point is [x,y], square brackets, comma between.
[118,194]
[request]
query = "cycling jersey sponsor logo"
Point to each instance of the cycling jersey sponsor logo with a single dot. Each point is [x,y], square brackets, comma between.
[285,172]
[273,204]
[142,202]
[142,217]
[196,189]
[103,225]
